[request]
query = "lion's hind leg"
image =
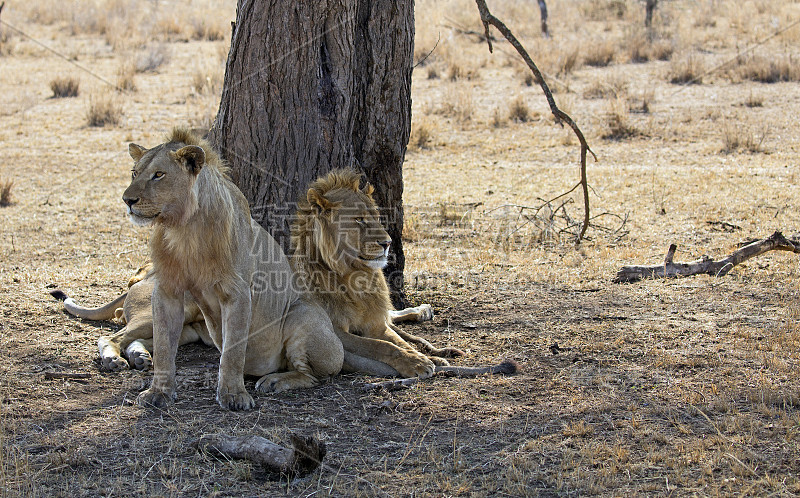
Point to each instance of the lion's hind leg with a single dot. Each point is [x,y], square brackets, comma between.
[313,351]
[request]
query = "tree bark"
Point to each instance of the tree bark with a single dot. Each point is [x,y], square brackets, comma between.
[314,86]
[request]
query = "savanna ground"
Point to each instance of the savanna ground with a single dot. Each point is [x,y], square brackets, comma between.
[688,386]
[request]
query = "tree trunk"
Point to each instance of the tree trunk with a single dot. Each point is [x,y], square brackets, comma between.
[314,86]
[543,12]
[649,7]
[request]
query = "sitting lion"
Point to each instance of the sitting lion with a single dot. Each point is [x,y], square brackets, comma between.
[206,244]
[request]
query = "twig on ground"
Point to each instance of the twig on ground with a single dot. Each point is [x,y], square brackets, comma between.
[560,116]
[708,266]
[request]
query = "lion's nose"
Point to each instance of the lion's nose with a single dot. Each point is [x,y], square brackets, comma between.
[130,201]
[385,244]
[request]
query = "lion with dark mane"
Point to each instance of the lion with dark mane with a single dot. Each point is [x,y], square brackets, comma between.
[339,250]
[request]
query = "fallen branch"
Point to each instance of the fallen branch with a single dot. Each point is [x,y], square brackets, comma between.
[708,266]
[560,116]
[507,367]
[302,459]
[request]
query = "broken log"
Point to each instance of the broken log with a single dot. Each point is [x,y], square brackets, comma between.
[708,266]
[302,459]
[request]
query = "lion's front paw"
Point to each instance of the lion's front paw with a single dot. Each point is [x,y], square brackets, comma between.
[414,364]
[236,401]
[113,363]
[155,398]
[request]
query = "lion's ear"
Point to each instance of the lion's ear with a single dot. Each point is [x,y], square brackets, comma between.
[136,151]
[368,190]
[318,201]
[191,157]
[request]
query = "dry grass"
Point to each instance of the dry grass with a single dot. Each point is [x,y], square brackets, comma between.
[599,53]
[688,70]
[421,135]
[103,110]
[617,124]
[768,69]
[642,47]
[65,87]
[614,85]
[741,137]
[686,387]
[126,76]
[518,110]
[6,192]
[152,59]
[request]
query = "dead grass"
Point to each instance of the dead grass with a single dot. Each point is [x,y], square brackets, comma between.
[126,76]
[737,137]
[688,70]
[103,110]
[518,110]
[768,69]
[618,124]
[152,59]
[65,87]
[6,192]
[599,53]
[642,47]
[421,135]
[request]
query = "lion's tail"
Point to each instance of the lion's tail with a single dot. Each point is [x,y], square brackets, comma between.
[507,367]
[104,312]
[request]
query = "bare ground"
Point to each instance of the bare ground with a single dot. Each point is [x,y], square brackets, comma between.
[681,387]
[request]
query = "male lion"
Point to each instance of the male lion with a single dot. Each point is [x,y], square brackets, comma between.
[206,244]
[340,249]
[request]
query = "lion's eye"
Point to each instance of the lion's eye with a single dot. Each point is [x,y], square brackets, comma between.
[360,221]
[158,174]
[133,174]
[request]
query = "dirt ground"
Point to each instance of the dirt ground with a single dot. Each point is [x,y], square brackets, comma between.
[680,387]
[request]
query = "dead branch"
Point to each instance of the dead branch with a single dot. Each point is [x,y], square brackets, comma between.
[560,116]
[708,266]
[507,367]
[302,459]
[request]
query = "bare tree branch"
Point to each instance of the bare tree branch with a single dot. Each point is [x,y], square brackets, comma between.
[560,116]
[669,269]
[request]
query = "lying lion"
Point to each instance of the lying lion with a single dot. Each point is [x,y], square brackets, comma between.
[340,249]
[206,244]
